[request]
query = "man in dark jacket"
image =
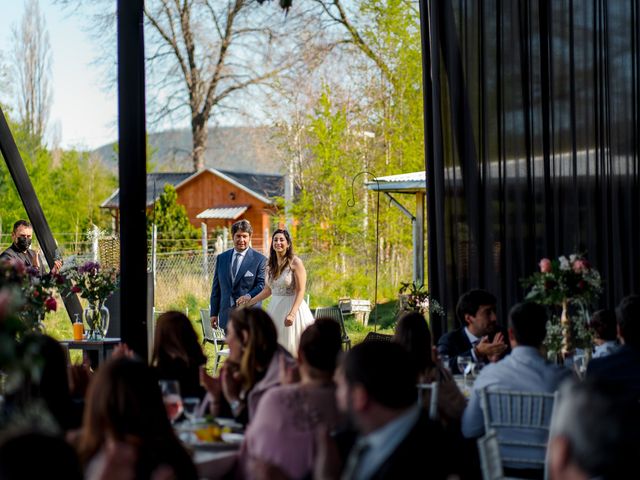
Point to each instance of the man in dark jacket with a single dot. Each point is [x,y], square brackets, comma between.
[376,388]
[623,366]
[480,337]
[20,248]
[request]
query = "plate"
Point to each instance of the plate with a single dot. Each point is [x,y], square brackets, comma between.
[214,446]
[232,438]
[229,422]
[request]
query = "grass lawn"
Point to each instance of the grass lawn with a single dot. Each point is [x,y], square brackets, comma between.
[58,326]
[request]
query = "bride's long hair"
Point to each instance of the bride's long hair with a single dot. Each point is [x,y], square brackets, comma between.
[275,268]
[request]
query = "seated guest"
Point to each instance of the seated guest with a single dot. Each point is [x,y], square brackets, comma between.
[604,328]
[396,439]
[480,336]
[34,456]
[412,332]
[283,430]
[525,370]
[623,366]
[177,355]
[594,433]
[253,366]
[124,405]
[47,382]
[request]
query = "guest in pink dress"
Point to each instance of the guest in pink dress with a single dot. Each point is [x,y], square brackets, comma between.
[282,433]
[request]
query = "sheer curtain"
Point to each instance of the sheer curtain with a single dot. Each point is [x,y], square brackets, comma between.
[531,142]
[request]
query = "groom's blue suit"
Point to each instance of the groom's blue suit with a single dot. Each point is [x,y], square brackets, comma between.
[249,280]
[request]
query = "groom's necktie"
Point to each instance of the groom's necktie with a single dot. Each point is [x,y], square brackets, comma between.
[234,266]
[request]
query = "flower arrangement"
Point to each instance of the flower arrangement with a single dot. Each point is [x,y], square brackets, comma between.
[93,282]
[417,298]
[569,283]
[564,279]
[33,295]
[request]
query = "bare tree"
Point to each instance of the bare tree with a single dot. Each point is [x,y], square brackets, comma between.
[32,64]
[208,58]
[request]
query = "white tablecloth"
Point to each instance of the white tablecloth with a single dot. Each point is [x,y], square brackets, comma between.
[214,465]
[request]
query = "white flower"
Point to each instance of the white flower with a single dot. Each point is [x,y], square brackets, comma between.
[564,263]
[573,257]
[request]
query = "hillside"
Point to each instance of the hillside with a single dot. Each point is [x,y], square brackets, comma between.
[237,149]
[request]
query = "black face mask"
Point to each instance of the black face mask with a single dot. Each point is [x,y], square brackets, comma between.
[23,243]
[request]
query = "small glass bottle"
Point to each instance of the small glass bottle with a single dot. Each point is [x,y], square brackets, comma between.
[78,328]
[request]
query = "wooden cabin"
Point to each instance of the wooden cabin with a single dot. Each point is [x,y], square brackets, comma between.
[217,198]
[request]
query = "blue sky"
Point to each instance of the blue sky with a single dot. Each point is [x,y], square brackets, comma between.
[83,112]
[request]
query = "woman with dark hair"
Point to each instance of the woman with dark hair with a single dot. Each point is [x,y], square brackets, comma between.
[124,405]
[47,382]
[253,366]
[286,283]
[412,332]
[283,431]
[177,354]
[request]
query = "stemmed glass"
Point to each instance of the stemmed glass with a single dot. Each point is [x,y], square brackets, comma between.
[172,399]
[464,361]
[191,405]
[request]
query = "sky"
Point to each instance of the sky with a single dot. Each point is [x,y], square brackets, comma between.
[83,112]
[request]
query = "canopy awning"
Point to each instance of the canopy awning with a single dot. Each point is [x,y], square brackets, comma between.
[223,213]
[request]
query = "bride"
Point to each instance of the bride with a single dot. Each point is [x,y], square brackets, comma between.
[286,281]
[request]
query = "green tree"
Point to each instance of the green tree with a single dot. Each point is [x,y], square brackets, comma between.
[175,231]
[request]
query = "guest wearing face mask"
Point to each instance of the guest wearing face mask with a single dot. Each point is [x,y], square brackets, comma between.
[20,249]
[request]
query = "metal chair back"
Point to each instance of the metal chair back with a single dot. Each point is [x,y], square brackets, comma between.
[490,460]
[214,336]
[432,389]
[521,422]
[334,313]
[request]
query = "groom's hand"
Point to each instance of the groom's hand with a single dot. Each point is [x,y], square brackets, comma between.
[214,321]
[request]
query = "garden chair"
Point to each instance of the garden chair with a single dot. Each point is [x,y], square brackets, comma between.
[490,460]
[521,423]
[334,313]
[432,388]
[214,336]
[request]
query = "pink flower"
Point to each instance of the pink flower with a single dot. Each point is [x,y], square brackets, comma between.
[580,266]
[75,289]
[50,304]
[545,265]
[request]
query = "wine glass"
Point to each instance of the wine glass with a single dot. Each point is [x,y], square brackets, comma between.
[444,360]
[463,365]
[172,400]
[191,405]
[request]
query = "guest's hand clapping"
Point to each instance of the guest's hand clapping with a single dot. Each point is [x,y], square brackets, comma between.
[491,350]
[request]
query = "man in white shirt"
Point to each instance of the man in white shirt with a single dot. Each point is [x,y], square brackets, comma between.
[524,370]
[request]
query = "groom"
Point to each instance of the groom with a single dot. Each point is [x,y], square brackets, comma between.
[239,272]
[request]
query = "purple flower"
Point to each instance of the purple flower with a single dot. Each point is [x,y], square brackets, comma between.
[89,267]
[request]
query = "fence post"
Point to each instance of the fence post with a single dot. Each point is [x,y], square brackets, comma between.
[154,247]
[225,238]
[205,247]
[94,243]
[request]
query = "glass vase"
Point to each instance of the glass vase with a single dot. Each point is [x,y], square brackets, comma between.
[96,316]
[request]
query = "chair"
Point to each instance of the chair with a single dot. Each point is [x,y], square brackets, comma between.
[521,423]
[377,337]
[214,336]
[490,460]
[334,313]
[432,388]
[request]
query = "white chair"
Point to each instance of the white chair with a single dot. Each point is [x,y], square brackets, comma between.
[432,388]
[214,336]
[490,460]
[521,423]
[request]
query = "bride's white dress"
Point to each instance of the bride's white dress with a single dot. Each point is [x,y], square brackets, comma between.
[283,294]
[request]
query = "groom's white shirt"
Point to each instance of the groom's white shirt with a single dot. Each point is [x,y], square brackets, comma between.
[241,256]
